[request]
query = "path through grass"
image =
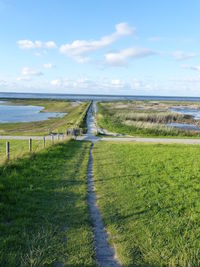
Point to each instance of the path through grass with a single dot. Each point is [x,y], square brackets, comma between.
[44,217]
[149,199]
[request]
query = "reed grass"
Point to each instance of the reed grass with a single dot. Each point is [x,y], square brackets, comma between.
[144,119]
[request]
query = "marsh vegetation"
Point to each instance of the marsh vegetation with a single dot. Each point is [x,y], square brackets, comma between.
[148,118]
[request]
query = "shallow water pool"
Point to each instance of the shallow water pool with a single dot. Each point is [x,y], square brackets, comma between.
[184,126]
[14,113]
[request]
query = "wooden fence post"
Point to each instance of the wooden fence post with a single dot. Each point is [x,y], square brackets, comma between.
[44,142]
[52,139]
[30,145]
[58,137]
[8,150]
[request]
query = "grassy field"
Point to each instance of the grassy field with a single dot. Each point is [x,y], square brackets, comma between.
[145,118]
[149,199]
[44,217]
[75,116]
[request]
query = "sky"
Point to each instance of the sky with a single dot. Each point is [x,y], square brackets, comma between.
[117,47]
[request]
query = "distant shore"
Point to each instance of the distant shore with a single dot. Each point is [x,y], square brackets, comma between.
[86,97]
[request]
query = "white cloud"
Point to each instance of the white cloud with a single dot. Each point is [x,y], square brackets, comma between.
[3,82]
[180,55]
[48,65]
[82,59]
[84,84]
[143,85]
[117,83]
[23,78]
[56,82]
[123,29]
[31,45]
[196,68]
[79,48]
[120,58]
[50,45]
[30,72]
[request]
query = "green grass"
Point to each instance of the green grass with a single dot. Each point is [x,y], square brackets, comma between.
[44,216]
[75,116]
[138,118]
[20,148]
[149,199]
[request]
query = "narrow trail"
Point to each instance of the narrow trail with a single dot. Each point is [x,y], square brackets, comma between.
[105,254]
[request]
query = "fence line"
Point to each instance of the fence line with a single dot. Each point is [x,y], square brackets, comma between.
[8,150]
[33,146]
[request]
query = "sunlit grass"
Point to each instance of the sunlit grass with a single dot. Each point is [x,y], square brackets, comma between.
[149,199]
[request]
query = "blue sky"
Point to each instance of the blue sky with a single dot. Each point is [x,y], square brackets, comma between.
[134,47]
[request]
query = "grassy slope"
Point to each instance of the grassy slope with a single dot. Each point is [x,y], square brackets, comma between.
[42,127]
[43,209]
[19,148]
[107,120]
[149,199]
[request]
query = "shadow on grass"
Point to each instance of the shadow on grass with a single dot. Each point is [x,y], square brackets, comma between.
[43,209]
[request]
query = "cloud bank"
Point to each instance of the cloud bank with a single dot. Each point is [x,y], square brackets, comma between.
[80,48]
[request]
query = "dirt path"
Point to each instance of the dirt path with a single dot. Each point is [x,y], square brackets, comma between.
[105,254]
[91,126]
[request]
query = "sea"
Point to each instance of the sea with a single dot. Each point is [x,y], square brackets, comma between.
[85,97]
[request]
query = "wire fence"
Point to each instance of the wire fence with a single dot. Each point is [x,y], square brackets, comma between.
[13,149]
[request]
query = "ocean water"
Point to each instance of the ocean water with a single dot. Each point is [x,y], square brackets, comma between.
[12,113]
[184,126]
[95,97]
[188,111]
